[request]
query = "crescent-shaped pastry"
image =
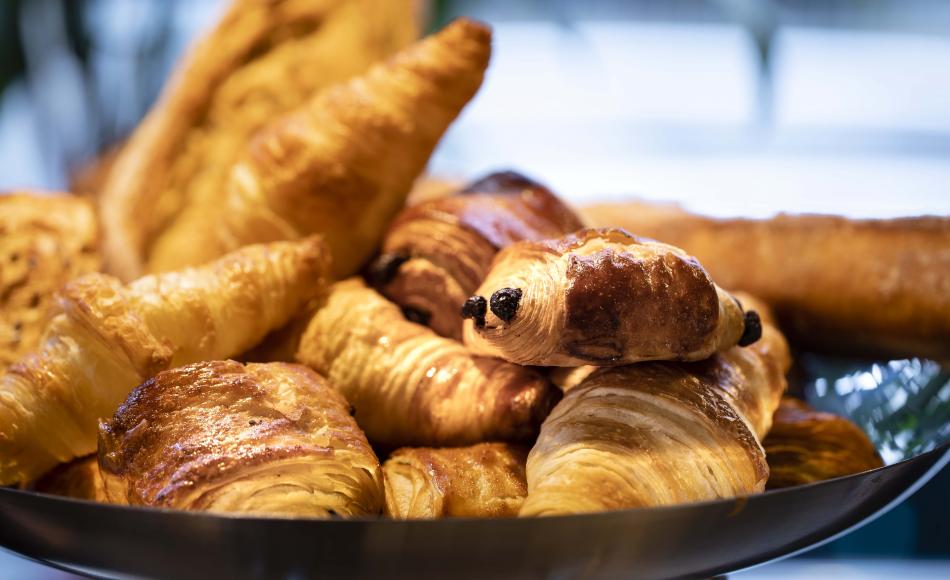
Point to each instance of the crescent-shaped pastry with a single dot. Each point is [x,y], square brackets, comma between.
[263,59]
[220,436]
[805,445]
[79,479]
[660,433]
[879,286]
[45,241]
[410,386]
[437,252]
[111,337]
[342,164]
[482,481]
[602,297]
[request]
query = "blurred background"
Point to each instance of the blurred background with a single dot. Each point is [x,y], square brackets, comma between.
[730,107]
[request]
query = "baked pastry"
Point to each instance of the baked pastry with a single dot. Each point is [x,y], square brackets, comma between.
[220,436]
[45,240]
[437,252]
[660,433]
[482,481]
[879,286]
[78,479]
[111,337]
[342,164]
[805,445]
[409,386]
[601,297]
[263,59]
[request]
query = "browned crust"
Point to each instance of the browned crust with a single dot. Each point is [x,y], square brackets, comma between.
[489,214]
[871,285]
[614,298]
[192,435]
[806,446]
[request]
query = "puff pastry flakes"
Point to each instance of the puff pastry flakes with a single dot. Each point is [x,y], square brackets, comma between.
[220,436]
[659,433]
[437,252]
[601,297]
[343,163]
[263,59]
[45,240]
[410,386]
[482,481]
[805,446]
[111,337]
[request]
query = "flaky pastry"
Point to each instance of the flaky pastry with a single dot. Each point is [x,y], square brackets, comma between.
[410,386]
[436,253]
[342,164]
[481,481]
[110,337]
[660,433]
[601,297]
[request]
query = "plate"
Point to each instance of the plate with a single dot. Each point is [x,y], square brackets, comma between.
[903,405]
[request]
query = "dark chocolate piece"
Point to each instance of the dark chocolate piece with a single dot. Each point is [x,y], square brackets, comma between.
[384,269]
[475,307]
[415,315]
[753,328]
[504,303]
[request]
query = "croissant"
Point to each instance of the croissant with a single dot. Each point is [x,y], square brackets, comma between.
[263,59]
[805,445]
[79,479]
[601,297]
[410,386]
[342,164]
[482,481]
[436,253]
[45,240]
[220,436]
[879,286]
[111,337]
[660,433]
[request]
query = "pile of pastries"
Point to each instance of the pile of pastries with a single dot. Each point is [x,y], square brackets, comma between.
[244,313]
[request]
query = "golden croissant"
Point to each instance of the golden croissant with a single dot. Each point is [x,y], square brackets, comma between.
[343,163]
[601,297]
[221,436]
[410,386]
[45,241]
[482,481]
[436,253]
[660,433]
[805,445]
[263,59]
[879,285]
[110,337]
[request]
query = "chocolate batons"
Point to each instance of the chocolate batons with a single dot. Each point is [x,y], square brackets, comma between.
[602,297]
[437,252]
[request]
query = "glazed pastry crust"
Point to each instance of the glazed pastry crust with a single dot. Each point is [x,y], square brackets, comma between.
[805,446]
[448,243]
[263,59]
[78,479]
[111,337]
[840,284]
[46,240]
[604,297]
[410,386]
[342,164]
[482,481]
[659,433]
[221,436]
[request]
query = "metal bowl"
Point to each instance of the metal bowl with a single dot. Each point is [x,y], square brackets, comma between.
[903,406]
